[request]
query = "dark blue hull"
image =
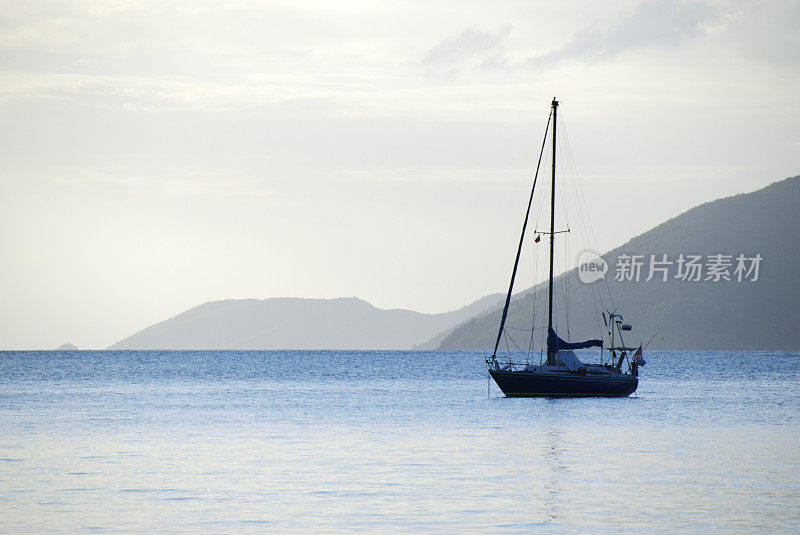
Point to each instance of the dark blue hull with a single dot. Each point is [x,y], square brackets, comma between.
[534,384]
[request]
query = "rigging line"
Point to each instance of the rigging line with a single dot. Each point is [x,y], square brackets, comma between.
[593,234]
[520,329]
[542,266]
[508,349]
[599,293]
[521,239]
[562,291]
[580,202]
[530,343]
[515,344]
[651,338]
[584,221]
[562,194]
[533,292]
[584,204]
[566,280]
[537,305]
[532,332]
[570,159]
[580,198]
[545,193]
[569,173]
[597,316]
[582,214]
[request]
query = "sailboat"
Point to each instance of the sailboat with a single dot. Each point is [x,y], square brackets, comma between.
[563,374]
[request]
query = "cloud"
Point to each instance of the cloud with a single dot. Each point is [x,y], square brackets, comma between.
[650,24]
[653,23]
[471,47]
[767,33]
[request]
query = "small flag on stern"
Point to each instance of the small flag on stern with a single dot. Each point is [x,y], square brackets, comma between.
[638,354]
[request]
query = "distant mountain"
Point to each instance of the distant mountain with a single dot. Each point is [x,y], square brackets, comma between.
[292,323]
[724,315]
[66,347]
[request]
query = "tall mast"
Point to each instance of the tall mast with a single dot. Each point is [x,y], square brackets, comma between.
[552,232]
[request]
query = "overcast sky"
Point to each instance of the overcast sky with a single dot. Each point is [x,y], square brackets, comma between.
[159,155]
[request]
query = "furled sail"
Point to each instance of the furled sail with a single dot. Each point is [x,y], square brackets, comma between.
[555,344]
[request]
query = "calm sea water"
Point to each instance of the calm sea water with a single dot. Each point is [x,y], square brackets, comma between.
[207,442]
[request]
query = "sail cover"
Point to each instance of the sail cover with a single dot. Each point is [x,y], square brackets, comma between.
[555,344]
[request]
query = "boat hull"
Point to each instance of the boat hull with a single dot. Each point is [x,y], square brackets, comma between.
[533,384]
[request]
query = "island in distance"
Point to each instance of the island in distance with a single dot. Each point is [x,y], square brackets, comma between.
[293,323]
[759,312]
[692,315]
